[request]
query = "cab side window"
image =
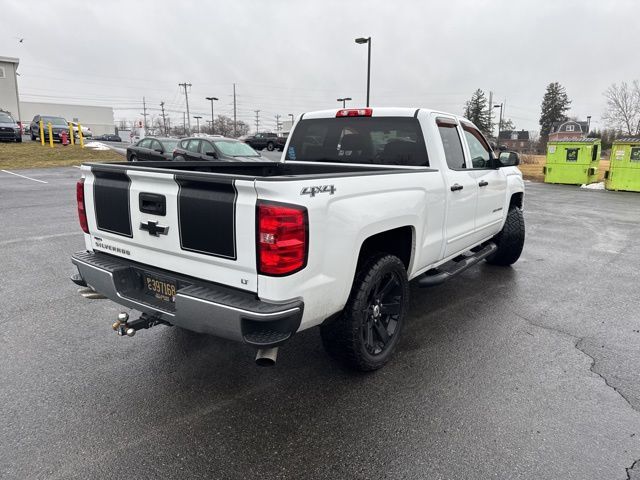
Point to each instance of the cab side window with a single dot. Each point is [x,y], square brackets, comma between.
[207,147]
[194,146]
[451,142]
[145,143]
[481,156]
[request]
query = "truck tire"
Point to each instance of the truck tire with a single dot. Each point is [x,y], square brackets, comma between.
[366,332]
[510,240]
[270,146]
[33,137]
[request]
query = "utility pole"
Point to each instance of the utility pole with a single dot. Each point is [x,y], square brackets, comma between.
[198,117]
[257,119]
[186,97]
[144,113]
[235,133]
[278,122]
[164,119]
[490,113]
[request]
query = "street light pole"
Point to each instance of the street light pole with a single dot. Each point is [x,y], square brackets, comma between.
[197,117]
[367,40]
[499,121]
[292,118]
[212,99]
[588,124]
[344,101]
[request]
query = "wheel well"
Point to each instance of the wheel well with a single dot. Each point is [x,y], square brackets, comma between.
[516,200]
[398,242]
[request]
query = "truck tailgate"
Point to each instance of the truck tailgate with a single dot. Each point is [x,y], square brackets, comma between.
[193,224]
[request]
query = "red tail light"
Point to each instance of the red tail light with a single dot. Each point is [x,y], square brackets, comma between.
[282,238]
[82,211]
[355,112]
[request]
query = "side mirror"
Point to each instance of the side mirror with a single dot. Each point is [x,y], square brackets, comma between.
[509,159]
[159,150]
[212,154]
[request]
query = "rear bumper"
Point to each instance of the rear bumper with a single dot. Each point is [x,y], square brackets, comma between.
[199,306]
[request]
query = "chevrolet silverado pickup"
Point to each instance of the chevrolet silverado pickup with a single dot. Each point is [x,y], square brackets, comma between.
[362,202]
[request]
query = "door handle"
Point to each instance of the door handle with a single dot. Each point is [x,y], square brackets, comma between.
[153,203]
[483,183]
[456,186]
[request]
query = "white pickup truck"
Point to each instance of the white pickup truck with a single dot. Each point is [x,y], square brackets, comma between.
[363,201]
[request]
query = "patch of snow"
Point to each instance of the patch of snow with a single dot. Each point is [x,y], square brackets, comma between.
[594,186]
[96,146]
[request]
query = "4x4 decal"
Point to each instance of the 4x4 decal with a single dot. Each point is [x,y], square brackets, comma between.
[312,191]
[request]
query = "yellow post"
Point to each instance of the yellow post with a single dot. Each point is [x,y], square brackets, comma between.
[71,139]
[41,133]
[80,136]
[50,134]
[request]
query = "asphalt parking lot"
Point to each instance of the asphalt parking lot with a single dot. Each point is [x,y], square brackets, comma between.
[525,372]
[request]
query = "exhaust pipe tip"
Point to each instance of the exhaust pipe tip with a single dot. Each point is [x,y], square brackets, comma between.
[266,357]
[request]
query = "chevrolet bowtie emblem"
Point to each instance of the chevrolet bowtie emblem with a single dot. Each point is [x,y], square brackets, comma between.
[153,228]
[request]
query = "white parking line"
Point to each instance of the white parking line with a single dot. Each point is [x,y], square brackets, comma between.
[23,176]
[37,239]
[75,166]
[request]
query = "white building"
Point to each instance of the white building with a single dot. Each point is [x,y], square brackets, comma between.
[98,119]
[9,98]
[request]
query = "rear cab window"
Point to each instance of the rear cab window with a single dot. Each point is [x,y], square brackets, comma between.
[453,152]
[369,140]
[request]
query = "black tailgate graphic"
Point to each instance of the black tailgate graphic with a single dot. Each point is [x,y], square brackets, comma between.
[111,201]
[207,216]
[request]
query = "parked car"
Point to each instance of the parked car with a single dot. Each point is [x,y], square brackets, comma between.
[214,148]
[330,236]
[260,141]
[9,128]
[58,125]
[152,148]
[281,141]
[108,137]
[86,131]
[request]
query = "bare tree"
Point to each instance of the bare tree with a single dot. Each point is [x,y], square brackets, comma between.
[623,107]
[224,126]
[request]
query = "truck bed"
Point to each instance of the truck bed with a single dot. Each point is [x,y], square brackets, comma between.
[260,170]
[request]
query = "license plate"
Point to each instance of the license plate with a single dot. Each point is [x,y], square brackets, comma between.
[160,288]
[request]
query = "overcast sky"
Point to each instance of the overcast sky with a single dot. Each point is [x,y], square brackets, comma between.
[295,56]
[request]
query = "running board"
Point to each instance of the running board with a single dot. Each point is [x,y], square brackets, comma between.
[455,266]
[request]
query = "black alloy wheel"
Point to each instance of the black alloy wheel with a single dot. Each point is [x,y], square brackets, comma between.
[365,334]
[380,318]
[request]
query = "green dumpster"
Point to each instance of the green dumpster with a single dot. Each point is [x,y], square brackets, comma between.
[573,162]
[624,168]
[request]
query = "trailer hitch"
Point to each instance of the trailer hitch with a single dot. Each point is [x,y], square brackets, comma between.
[123,326]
